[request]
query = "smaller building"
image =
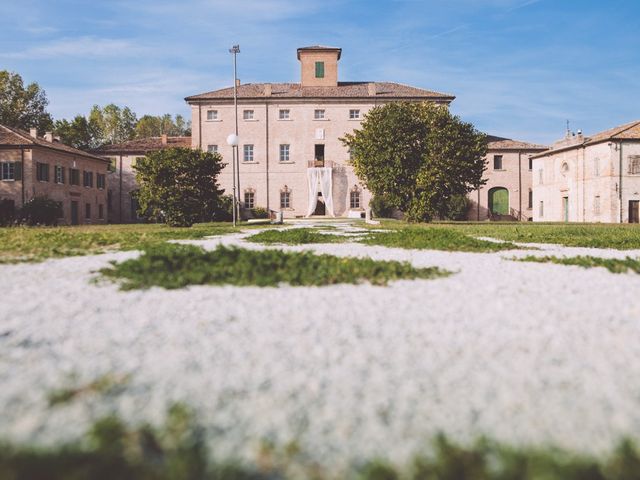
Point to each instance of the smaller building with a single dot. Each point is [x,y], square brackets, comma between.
[590,178]
[507,195]
[121,181]
[31,166]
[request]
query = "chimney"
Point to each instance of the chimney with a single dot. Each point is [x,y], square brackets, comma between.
[33,132]
[371,88]
[163,139]
[48,136]
[237,82]
[267,90]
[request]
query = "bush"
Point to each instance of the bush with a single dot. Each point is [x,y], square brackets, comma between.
[40,211]
[259,212]
[7,212]
[381,206]
[224,212]
[456,208]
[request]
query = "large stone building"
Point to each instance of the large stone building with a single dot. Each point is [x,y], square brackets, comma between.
[31,166]
[121,180]
[291,158]
[590,178]
[507,195]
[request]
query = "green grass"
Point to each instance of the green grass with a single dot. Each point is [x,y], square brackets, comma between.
[32,244]
[177,450]
[614,265]
[176,266]
[432,237]
[296,236]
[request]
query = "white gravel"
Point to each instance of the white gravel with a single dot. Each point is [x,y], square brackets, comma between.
[524,353]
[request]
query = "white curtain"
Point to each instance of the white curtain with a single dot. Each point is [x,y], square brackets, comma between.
[326,187]
[312,179]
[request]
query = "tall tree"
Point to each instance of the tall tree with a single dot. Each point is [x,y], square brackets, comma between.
[418,156]
[112,123]
[23,107]
[79,133]
[154,126]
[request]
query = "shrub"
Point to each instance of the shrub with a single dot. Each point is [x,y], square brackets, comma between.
[41,211]
[224,212]
[7,212]
[381,206]
[259,212]
[456,208]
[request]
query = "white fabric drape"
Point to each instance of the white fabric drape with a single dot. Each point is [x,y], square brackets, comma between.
[312,180]
[320,180]
[326,187]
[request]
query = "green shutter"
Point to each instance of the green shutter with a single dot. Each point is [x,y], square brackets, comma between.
[319,69]
[17,170]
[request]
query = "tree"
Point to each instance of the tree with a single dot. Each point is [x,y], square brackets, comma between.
[179,185]
[22,107]
[113,124]
[418,157]
[154,126]
[79,133]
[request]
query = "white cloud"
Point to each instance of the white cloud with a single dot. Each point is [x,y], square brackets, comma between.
[86,46]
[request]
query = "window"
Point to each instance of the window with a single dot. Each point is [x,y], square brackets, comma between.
[284,153]
[212,148]
[541,209]
[87,211]
[113,165]
[497,162]
[249,199]
[530,199]
[100,180]
[319,69]
[60,210]
[540,177]
[634,165]
[354,198]
[283,115]
[285,197]
[7,171]
[596,167]
[109,201]
[248,153]
[318,114]
[564,169]
[354,114]
[42,172]
[87,179]
[596,205]
[247,115]
[100,211]
[59,173]
[212,114]
[530,163]
[135,160]
[74,176]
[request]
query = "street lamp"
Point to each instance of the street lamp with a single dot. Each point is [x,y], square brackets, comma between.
[232,141]
[235,50]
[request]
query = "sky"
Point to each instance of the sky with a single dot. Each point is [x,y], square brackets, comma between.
[518,68]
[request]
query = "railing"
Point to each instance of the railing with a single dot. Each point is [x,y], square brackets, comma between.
[320,163]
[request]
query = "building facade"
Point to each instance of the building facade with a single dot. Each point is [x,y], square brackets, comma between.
[290,154]
[31,166]
[590,179]
[121,179]
[508,194]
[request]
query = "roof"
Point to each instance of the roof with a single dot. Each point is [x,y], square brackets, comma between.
[10,136]
[342,90]
[628,131]
[320,48]
[500,143]
[144,145]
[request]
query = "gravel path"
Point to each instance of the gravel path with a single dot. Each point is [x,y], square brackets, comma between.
[525,353]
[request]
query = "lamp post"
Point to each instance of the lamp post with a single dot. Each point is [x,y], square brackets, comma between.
[232,141]
[235,50]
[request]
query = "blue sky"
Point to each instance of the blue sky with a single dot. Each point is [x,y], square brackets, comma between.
[519,68]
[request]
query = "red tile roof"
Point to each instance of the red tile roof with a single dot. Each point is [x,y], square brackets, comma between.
[499,143]
[16,137]
[144,145]
[358,90]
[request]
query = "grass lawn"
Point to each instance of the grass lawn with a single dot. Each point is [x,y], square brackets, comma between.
[614,265]
[176,266]
[296,236]
[32,244]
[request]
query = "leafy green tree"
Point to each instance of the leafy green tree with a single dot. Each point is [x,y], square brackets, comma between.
[179,185]
[418,156]
[113,124]
[79,133]
[23,107]
[154,126]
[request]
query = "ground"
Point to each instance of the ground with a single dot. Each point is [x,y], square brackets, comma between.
[524,353]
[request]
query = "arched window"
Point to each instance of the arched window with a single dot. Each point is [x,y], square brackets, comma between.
[499,201]
[249,198]
[285,197]
[354,197]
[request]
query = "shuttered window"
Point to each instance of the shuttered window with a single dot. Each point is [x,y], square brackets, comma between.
[319,69]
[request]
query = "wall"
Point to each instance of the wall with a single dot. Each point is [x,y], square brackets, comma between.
[121,183]
[308,69]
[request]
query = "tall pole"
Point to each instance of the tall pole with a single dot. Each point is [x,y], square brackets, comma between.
[235,50]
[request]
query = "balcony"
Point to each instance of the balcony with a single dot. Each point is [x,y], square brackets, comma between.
[320,164]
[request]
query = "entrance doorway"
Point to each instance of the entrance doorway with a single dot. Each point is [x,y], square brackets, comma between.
[565,209]
[320,206]
[634,211]
[499,201]
[318,156]
[74,212]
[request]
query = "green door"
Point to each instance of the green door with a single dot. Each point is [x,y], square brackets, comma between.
[499,201]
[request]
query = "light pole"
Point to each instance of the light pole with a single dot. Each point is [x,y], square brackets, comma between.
[235,50]
[232,141]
